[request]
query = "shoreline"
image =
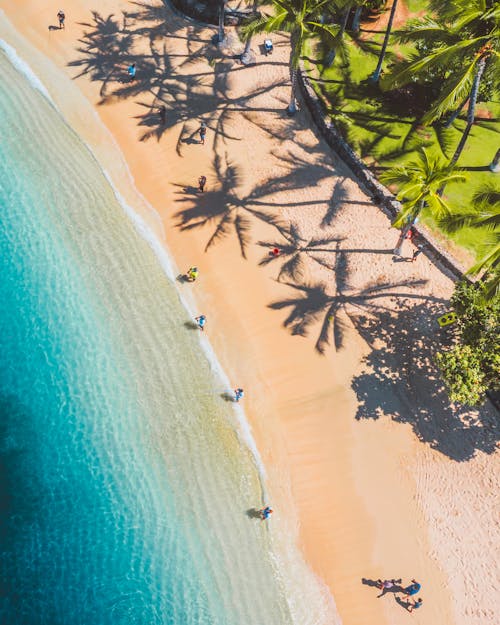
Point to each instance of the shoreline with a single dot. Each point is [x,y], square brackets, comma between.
[290,416]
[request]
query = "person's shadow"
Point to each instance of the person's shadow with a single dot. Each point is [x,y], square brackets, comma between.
[52,27]
[404,603]
[253,513]
[228,396]
[191,325]
[370,582]
[393,589]
[376,583]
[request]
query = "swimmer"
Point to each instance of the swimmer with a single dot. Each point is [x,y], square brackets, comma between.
[238,394]
[200,321]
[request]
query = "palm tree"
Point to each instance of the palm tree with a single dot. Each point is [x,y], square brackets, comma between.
[300,18]
[486,217]
[418,184]
[378,70]
[246,57]
[495,163]
[458,49]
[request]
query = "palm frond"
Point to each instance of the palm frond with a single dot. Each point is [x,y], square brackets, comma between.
[437,60]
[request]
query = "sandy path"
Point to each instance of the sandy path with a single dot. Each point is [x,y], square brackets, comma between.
[360,442]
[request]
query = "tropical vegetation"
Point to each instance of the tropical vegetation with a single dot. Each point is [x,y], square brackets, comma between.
[471,366]
[439,86]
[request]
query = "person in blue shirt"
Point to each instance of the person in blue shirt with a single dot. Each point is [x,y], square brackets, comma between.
[265,513]
[200,321]
[412,589]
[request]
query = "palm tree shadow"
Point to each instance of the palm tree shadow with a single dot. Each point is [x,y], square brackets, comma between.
[316,303]
[294,251]
[222,207]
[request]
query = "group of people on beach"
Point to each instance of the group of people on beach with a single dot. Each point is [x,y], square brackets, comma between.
[393,585]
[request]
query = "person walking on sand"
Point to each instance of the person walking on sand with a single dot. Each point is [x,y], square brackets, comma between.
[200,321]
[203,132]
[415,605]
[202,181]
[416,253]
[61,17]
[131,71]
[238,394]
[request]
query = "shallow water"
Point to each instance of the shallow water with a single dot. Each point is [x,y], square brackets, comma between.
[124,486]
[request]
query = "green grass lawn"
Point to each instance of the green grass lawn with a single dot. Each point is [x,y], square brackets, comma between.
[384,132]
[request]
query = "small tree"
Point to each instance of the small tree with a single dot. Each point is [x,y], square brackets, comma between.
[418,183]
[472,365]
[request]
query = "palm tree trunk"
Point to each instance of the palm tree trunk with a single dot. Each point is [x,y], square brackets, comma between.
[247,57]
[471,111]
[495,163]
[376,74]
[292,107]
[411,222]
[456,113]
[220,33]
[356,20]
[294,42]
[330,57]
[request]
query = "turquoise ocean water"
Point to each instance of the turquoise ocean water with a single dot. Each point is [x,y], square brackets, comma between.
[124,485]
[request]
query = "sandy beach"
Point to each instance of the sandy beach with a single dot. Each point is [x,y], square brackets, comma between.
[370,470]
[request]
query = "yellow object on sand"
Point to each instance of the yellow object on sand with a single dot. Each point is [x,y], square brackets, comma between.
[447,319]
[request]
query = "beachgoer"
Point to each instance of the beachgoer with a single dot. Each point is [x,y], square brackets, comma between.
[202,181]
[203,132]
[238,394]
[412,589]
[265,513]
[162,112]
[386,585]
[416,604]
[201,320]
[61,17]
[416,253]
[131,72]
[192,274]
[275,252]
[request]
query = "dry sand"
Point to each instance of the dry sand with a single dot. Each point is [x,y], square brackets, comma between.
[385,478]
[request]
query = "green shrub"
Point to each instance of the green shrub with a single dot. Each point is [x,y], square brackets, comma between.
[472,365]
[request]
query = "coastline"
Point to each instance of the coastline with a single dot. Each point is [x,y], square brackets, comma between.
[290,411]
